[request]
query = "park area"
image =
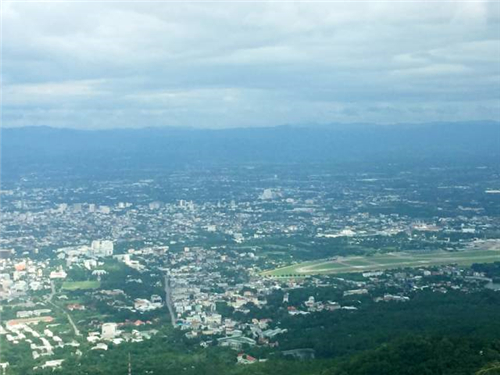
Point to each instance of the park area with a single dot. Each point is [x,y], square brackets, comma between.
[384,261]
[80,285]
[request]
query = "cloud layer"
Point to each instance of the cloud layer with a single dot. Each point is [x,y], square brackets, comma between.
[208,64]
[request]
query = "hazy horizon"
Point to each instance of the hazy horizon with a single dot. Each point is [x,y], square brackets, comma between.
[318,126]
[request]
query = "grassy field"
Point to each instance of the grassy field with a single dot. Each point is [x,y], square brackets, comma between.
[80,285]
[385,261]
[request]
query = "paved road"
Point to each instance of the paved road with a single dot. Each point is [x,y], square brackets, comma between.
[52,290]
[49,300]
[168,300]
[75,328]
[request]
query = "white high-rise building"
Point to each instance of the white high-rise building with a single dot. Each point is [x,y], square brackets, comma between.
[102,248]
[155,205]
[268,194]
[286,297]
[109,331]
[104,209]
[62,207]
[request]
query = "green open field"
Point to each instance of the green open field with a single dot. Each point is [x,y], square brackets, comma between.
[385,261]
[80,285]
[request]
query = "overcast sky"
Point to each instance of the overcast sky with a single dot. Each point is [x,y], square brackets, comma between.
[200,64]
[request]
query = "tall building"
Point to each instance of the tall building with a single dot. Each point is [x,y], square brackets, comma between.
[62,207]
[109,331]
[104,209]
[155,205]
[77,207]
[102,248]
[285,298]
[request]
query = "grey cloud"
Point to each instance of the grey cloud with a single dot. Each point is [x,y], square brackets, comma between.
[249,64]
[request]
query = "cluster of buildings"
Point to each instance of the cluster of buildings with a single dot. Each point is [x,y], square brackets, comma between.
[20,276]
[110,333]
[207,286]
[196,246]
[43,342]
[353,206]
[384,286]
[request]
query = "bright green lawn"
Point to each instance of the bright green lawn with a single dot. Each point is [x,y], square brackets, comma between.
[80,285]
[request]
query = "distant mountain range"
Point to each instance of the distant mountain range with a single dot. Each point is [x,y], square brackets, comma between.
[32,147]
